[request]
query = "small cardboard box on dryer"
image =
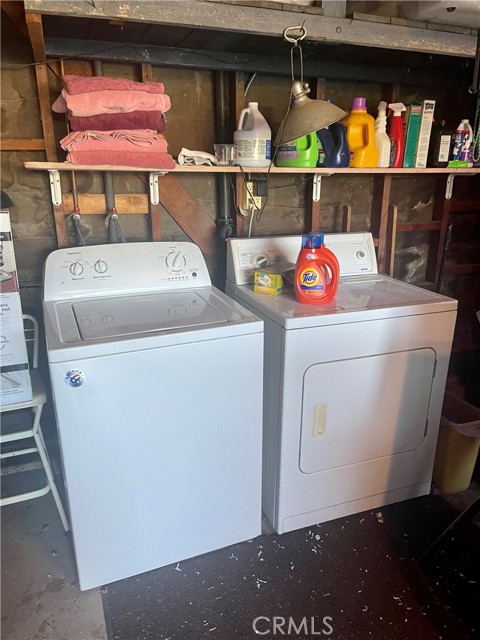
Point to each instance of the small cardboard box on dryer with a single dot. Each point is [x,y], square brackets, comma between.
[15,385]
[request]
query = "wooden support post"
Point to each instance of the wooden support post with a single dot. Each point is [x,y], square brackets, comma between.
[154,209]
[441,212]
[238,91]
[391,240]
[155,225]
[379,221]
[61,225]
[185,210]
[347,219]
[35,30]
[312,208]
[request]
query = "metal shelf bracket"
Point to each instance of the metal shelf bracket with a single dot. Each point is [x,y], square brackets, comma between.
[450,179]
[317,185]
[55,186]
[153,182]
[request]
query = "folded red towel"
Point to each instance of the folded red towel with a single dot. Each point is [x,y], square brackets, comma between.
[130,140]
[98,102]
[123,159]
[82,84]
[110,121]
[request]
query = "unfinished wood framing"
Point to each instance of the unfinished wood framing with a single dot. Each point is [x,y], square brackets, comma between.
[258,21]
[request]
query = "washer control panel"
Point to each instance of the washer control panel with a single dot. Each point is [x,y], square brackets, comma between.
[123,268]
[355,253]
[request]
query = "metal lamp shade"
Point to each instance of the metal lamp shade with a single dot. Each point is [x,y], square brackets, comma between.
[306,115]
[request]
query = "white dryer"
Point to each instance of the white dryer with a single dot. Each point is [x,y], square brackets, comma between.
[146,360]
[352,390]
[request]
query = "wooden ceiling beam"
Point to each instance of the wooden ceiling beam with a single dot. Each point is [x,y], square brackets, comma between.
[16,12]
[265,22]
[35,32]
[71,48]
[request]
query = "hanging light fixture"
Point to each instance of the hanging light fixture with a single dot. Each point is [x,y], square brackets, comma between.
[304,115]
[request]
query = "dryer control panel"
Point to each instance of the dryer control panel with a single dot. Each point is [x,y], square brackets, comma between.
[112,269]
[355,253]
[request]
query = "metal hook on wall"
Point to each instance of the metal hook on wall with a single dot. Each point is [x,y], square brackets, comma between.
[295,41]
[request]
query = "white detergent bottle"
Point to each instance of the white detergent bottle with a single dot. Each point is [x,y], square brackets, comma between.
[252,139]
[467,151]
[382,141]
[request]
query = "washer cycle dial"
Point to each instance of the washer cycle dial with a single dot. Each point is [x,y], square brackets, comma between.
[100,266]
[176,261]
[76,268]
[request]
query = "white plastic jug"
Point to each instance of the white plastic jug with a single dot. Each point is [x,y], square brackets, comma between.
[467,151]
[252,139]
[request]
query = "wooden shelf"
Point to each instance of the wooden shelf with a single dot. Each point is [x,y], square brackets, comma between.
[67,166]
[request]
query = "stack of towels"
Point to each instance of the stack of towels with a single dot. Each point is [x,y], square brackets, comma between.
[115,121]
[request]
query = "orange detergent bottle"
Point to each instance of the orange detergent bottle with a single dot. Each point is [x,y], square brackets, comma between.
[317,271]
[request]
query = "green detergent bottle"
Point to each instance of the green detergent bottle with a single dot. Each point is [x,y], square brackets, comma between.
[302,152]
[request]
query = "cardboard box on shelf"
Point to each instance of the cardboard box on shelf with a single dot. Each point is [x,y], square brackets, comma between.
[421,155]
[15,385]
[413,116]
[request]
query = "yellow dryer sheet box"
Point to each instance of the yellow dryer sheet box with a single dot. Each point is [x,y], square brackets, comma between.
[274,279]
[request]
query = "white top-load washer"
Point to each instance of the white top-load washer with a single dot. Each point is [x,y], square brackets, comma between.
[146,359]
[353,390]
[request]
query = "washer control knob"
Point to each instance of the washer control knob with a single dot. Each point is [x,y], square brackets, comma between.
[176,261]
[360,255]
[76,268]
[100,266]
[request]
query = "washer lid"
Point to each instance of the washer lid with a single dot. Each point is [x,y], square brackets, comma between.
[358,298]
[129,315]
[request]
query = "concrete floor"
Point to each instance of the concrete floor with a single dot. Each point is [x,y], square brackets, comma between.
[40,595]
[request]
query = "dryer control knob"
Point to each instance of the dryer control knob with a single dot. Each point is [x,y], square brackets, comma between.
[100,266]
[360,255]
[76,268]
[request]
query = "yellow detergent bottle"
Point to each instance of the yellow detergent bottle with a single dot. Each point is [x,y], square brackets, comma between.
[361,135]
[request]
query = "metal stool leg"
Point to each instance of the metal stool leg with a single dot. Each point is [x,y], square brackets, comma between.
[38,435]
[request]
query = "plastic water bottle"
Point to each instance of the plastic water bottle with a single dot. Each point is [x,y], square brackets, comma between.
[252,139]
[382,141]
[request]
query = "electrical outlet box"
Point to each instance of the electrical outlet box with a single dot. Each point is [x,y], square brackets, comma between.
[252,201]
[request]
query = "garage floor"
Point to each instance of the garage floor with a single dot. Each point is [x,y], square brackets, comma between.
[40,595]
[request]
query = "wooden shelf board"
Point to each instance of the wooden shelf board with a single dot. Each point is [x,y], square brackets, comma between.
[464,206]
[462,269]
[419,226]
[67,166]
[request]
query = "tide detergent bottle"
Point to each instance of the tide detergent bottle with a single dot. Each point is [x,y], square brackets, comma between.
[360,127]
[316,272]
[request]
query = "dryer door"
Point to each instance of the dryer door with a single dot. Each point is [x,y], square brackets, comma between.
[358,410]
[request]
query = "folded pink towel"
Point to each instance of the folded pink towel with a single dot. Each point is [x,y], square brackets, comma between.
[110,121]
[92,104]
[82,84]
[123,159]
[131,141]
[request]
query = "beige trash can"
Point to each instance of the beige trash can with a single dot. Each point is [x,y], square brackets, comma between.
[458,444]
